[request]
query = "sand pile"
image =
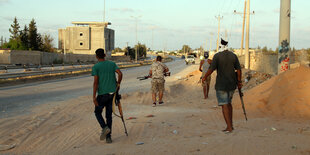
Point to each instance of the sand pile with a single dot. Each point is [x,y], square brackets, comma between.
[285,95]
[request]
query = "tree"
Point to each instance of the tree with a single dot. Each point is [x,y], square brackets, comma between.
[24,37]
[14,30]
[13,45]
[117,49]
[47,45]
[2,41]
[131,52]
[33,36]
[265,49]
[186,49]
[141,49]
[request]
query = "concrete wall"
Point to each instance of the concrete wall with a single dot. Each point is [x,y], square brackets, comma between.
[43,58]
[299,56]
[5,57]
[261,62]
[25,57]
[268,63]
[49,58]
[73,58]
[265,63]
[120,58]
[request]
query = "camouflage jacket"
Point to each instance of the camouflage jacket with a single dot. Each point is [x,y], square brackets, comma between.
[158,69]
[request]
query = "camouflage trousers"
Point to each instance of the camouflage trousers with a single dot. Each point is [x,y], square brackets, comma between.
[158,85]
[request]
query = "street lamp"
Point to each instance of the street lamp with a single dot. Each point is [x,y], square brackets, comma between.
[152,28]
[136,18]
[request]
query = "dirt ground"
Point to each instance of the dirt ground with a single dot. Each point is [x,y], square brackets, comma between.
[278,122]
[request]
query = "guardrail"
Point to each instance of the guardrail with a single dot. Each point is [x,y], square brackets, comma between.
[39,72]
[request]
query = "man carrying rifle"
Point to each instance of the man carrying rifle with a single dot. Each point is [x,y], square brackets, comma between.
[157,73]
[105,84]
[225,62]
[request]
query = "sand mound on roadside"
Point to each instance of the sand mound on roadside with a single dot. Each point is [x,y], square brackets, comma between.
[284,95]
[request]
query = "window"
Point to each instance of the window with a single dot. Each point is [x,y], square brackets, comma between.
[81,34]
[81,43]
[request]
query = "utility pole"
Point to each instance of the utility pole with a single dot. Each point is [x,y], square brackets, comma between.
[247,37]
[243,24]
[210,45]
[152,37]
[64,42]
[219,18]
[226,34]
[211,41]
[104,11]
[136,18]
[284,36]
[206,44]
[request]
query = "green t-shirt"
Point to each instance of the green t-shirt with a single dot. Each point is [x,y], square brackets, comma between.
[105,70]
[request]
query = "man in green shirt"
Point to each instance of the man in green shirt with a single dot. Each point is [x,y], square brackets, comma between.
[105,85]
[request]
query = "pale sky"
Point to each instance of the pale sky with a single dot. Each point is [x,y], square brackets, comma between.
[174,22]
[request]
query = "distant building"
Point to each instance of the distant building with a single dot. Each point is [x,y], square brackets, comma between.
[86,37]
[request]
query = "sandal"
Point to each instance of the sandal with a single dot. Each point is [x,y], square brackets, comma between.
[160,103]
[154,104]
[227,132]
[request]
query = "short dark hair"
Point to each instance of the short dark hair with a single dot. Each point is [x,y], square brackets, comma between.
[100,53]
[159,58]
[206,55]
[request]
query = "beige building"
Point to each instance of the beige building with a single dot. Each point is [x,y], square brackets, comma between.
[86,37]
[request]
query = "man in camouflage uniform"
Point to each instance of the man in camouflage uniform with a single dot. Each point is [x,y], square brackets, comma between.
[158,69]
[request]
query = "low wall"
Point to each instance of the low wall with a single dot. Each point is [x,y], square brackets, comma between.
[301,56]
[5,57]
[45,58]
[49,58]
[261,62]
[266,63]
[120,58]
[71,58]
[25,57]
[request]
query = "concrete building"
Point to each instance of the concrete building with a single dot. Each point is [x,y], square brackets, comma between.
[86,37]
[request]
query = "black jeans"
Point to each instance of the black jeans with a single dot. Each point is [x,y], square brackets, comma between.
[104,101]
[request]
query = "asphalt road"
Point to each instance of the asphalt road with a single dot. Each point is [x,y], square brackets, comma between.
[19,99]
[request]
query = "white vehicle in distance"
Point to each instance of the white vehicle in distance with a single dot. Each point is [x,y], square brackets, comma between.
[190,59]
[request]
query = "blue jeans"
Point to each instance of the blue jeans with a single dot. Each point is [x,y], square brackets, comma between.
[104,101]
[224,97]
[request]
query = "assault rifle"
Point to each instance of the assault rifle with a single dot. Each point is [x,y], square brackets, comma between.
[241,98]
[148,76]
[116,102]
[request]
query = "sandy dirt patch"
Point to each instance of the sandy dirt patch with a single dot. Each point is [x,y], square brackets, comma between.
[186,124]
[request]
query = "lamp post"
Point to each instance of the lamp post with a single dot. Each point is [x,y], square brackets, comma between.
[136,18]
[104,11]
[211,40]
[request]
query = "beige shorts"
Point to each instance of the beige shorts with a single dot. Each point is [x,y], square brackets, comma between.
[206,82]
[158,85]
